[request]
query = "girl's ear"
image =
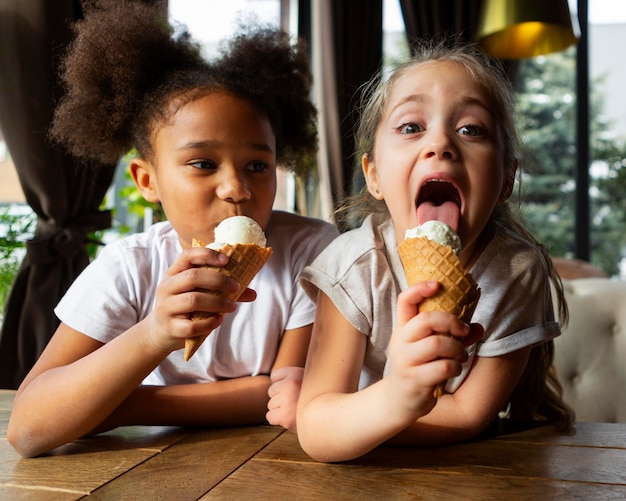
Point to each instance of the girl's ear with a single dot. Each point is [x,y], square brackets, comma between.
[509,183]
[371,177]
[142,173]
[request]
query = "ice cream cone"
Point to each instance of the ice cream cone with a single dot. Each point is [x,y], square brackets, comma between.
[244,262]
[425,259]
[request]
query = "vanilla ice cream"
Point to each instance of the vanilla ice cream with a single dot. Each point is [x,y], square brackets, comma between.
[238,230]
[438,232]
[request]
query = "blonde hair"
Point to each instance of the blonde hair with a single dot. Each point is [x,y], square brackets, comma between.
[538,395]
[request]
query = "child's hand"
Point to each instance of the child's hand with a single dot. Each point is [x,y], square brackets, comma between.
[284,393]
[187,288]
[418,359]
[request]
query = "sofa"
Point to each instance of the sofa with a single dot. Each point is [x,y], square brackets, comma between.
[590,354]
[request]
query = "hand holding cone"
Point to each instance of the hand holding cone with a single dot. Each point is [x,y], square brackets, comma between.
[425,259]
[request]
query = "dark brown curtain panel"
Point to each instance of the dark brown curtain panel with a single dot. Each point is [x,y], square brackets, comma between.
[437,19]
[357,33]
[65,196]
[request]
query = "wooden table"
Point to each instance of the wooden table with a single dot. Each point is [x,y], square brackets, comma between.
[263,462]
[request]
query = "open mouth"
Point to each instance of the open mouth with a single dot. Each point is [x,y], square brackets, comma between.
[439,200]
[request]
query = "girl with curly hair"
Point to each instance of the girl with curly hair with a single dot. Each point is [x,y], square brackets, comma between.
[209,136]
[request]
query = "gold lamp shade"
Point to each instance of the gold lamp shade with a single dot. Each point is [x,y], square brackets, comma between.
[519,29]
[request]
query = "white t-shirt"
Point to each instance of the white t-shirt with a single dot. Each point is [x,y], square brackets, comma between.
[118,288]
[361,272]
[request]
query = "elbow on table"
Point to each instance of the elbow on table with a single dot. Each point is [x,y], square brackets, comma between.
[315,448]
[321,454]
[24,442]
[311,452]
[320,449]
[23,447]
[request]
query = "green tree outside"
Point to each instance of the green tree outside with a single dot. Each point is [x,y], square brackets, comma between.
[546,110]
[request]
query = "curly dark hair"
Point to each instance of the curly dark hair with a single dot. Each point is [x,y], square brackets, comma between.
[128,70]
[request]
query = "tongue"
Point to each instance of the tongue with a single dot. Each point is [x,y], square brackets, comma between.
[447,212]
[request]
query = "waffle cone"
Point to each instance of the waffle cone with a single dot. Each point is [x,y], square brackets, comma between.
[425,259]
[244,262]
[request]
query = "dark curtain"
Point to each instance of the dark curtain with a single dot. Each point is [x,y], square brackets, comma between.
[64,195]
[357,29]
[434,19]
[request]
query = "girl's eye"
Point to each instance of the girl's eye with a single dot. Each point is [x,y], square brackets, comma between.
[410,128]
[258,167]
[471,130]
[203,164]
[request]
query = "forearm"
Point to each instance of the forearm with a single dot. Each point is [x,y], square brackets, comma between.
[359,425]
[65,402]
[231,402]
[447,423]
[343,426]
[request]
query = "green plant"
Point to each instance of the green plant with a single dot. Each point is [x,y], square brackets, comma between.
[15,229]
[130,210]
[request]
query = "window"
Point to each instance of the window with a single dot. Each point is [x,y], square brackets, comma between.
[547,109]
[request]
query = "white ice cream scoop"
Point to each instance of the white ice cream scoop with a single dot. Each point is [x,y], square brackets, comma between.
[437,231]
[238,230]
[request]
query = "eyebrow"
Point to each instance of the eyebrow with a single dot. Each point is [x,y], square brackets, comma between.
[420,98]
[216,144]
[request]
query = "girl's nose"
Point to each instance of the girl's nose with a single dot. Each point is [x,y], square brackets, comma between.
[441,145]
[232,187]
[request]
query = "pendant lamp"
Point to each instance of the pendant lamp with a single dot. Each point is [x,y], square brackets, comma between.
[519,29]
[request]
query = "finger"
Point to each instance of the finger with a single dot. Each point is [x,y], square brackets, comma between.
[209,279]
[432,348]
[279,374]
[197,256]
[272,391]
[274,403]
[271,404]
[273,417]
[449,348]
[275,388]
[434,322]
[183,328]
[191,279]
[184,303]
[202,324]
[247,296]
[409,299]
[208,302]
[438,371]
[477,332]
